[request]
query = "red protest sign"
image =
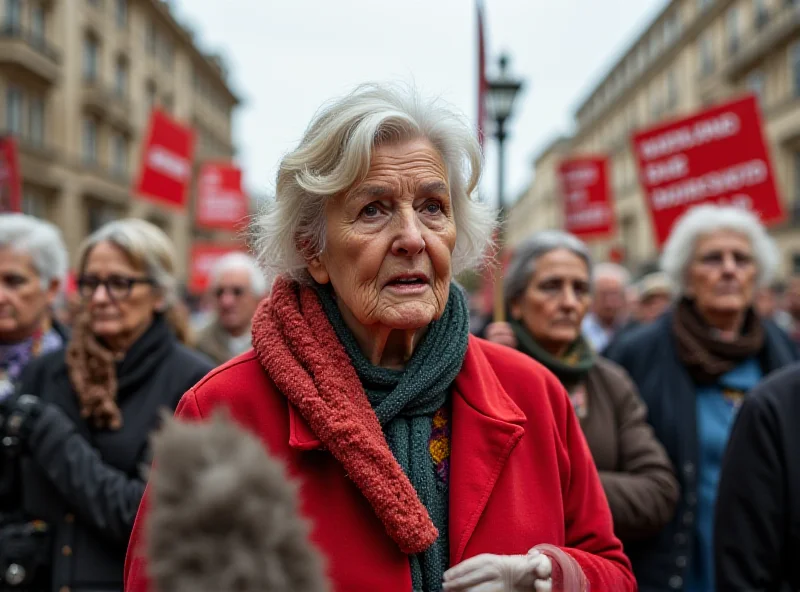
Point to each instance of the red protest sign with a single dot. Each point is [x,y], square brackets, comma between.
[716,156]
[221,203]
[203,258]
[166,167]
[588,212]
[10,185]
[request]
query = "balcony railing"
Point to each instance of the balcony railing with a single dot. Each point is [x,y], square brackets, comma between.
[36,41]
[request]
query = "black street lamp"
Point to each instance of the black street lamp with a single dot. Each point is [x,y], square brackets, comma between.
[501,94]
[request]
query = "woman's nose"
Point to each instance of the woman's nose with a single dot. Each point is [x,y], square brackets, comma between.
[100,295]
[409,240]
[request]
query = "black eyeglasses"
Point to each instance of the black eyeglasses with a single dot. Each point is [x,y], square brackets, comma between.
[118,287]
[236,291]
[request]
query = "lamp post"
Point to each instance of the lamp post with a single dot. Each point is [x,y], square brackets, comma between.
[501,93]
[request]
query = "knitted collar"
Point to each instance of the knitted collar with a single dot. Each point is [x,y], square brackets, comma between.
[300,351]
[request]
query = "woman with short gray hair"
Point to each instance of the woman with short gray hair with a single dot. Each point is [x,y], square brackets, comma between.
[33,263]
[694,366]
[406,433]
[547,293]
[74,440]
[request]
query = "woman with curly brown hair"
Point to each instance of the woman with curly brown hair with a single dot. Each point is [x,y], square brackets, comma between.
[75,439]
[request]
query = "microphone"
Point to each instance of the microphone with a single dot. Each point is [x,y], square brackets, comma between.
[224,515]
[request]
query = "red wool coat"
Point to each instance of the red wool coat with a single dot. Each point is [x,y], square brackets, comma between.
[520,475]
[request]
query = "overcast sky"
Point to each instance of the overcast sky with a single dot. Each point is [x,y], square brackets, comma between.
[287,57]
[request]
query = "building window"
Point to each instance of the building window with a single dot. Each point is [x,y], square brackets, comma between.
[36,121]
[14,110]
[167,54]
[89,141]
[91,51]
[760,13]
[732,29]
[794,56]
[706,54]
[150,91]
[671,29]
[37,24]
[150,38]
[120,154]
[13,20]
[672,89]
[99,214]
[122,13]
[121,78]
[34,202]
[755,84]
[704,5]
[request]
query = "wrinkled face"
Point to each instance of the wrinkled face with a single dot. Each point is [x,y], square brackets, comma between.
[608,299]
[120,298]
[389,240]
[24,301]
[652,306]
[235,300]
[722,274]
[556,299]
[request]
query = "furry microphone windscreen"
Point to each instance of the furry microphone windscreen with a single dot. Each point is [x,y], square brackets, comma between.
[224,515]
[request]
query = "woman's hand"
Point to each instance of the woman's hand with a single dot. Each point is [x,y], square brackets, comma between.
[501,573]
[501,333]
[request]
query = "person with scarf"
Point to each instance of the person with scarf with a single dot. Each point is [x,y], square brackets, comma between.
[694,367]
[548,292]
[428,459]
[74,438]
[33,264]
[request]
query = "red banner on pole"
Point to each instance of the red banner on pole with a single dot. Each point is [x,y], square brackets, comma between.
[588,211]
[716,156]
[221,203]
[203,258]
[10,185]
[166,167]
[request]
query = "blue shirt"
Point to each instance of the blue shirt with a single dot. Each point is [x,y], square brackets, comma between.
[716,410]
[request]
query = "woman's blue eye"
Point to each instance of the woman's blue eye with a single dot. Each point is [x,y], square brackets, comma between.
[433,208]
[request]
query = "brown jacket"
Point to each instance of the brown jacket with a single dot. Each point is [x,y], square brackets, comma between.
[636,473]
[213,342]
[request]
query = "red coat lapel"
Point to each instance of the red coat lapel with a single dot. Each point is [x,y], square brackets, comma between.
[487,425]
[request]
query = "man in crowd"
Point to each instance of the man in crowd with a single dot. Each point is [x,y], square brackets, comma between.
[790,322]
[609,309]
[237,286]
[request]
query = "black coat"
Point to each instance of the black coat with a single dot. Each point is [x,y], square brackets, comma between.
[757,527]
[86,483]
[649,354]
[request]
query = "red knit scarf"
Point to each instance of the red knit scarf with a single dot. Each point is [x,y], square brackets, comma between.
[298,348]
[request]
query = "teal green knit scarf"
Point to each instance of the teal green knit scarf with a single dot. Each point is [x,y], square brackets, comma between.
[405,401]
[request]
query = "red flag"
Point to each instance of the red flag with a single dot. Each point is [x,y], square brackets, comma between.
[221,203]
[482,85]
[166,167]
[10,190]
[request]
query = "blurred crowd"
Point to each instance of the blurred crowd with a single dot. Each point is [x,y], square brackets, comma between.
[610,433]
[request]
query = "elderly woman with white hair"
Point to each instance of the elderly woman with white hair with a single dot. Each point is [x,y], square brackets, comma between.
[428,459]
[694,366]
[237,286]
[74,438]
[33,263]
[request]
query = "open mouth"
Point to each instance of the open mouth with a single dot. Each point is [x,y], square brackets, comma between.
[409,281]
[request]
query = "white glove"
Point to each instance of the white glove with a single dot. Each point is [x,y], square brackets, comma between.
[501,573]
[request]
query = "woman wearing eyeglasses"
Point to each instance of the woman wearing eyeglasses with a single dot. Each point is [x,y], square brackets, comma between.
[694,366]
[75,438]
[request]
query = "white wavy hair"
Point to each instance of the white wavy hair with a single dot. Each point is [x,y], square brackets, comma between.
[40,240]
[234,261]
[706,219]
[335,154]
